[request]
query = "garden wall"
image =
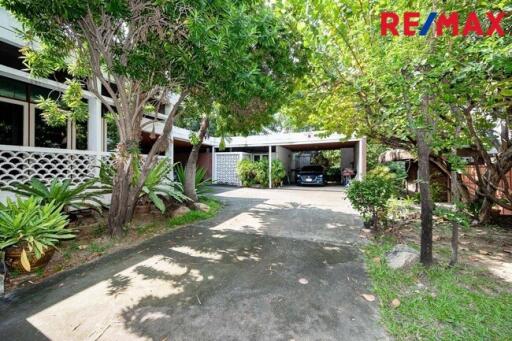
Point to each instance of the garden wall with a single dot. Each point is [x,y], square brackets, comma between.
[471,170]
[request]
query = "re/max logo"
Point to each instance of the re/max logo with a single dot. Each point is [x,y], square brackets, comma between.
[389,22]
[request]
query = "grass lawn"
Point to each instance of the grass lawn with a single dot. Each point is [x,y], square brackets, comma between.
[192,216]
[461,303]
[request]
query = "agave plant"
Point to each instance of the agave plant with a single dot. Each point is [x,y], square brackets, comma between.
[62,193]
[34,226]
[157,186]
[202,181]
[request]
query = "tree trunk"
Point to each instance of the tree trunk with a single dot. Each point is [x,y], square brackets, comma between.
[455,244]
[456,201]
[117,214]
[484,214]
[190,168]
[490,180]
[425,197]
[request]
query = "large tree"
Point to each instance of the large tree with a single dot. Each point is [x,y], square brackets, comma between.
[139,53]
[264,59]
[406,92]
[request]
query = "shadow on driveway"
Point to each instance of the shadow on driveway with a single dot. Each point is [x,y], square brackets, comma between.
[222,279]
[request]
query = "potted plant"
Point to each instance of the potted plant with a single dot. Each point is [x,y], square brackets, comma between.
[29,232]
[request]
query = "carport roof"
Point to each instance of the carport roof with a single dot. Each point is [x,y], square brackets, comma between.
[293,141]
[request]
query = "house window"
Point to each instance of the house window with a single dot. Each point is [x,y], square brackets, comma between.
[46,136]
[111,135]
[12,124]
[80,135]
[258,157]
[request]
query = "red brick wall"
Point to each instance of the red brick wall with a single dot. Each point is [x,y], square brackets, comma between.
[471,171]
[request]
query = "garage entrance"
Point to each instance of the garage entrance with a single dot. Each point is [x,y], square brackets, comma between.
[341,161]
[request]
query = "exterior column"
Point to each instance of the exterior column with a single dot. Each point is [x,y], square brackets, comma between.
[95,132]
[269,166]
[170,147]
[361,159]
[94,126]
[214,165]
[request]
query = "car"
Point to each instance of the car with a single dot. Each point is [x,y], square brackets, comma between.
[311,175]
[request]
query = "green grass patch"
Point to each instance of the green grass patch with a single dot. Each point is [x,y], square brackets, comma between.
[440,303]
[195,215]
[99,248]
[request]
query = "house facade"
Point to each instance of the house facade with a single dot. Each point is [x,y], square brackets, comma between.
[30,148]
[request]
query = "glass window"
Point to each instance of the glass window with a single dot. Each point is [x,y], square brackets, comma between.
[81,135]
[112,136]
[11,88]
[37,91]
[49,137]
[11,124]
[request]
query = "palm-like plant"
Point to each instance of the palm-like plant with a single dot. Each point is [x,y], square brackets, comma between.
[202,181]
[157,187]
[34,226]
[62,193]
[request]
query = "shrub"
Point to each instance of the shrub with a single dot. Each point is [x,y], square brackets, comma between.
[246,170]
[157,186]
[34,226]
[62,193]
[201,182]
[256,172]
[278,173]
[370,196]
[400,209]
[261,168]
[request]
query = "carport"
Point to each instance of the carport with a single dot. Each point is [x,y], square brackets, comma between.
[285,147]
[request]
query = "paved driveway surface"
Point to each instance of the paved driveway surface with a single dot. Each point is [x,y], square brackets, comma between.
[274,265]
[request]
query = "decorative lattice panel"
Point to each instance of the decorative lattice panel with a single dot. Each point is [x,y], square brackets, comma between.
[22,165]
[226,168]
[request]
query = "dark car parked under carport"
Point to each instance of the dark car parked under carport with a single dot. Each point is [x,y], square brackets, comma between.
[311,175]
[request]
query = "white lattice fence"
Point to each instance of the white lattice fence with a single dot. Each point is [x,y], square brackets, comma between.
[20,164]
[225,167]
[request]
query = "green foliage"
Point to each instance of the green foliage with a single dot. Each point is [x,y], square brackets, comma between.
[195,215]
[394,172]
[62,193]
[202,182]
[374,149]
[157,186]
[69,107]
[246,170]
[278,173]
[457,215]
[31,224]
[256,172]
[456,303]
[400,209]
[386,88]
[370,196]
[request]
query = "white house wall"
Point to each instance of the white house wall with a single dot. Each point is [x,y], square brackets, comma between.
[285,156]
[347,158]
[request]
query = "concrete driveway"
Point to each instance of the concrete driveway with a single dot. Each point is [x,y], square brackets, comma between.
[274,265]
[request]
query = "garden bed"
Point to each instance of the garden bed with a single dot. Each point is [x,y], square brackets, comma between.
[92,241]
[472,300]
